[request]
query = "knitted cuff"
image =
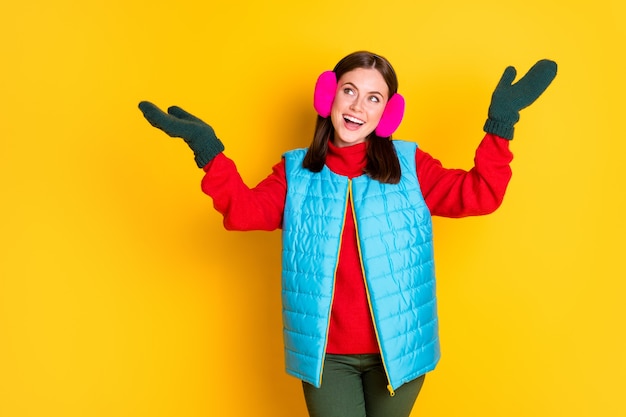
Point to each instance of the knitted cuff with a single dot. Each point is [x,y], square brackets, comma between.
[504,130]
[209,151]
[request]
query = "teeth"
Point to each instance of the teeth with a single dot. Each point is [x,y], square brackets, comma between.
[354,120]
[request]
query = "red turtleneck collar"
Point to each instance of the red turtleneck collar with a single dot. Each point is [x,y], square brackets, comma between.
[349,161]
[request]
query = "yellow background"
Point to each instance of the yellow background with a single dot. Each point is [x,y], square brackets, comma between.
[122,295]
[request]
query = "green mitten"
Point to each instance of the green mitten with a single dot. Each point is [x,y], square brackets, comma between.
[508,99]
[179,124]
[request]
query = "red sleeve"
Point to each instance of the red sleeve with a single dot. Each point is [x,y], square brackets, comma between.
[245,208]
[460,193]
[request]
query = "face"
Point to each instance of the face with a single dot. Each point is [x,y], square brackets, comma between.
[359,104]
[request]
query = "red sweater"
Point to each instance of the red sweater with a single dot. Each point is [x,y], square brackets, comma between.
[447,192]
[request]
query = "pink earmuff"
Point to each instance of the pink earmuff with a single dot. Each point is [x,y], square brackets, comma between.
[324,95]
[392,116]
[325,89]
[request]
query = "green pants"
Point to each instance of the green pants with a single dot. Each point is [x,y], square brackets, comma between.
[356,386]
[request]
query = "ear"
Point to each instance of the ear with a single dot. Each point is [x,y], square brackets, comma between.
[392,116]
[324,95]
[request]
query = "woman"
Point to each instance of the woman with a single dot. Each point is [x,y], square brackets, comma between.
[358,284]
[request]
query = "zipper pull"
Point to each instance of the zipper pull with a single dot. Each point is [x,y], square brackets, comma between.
[392,393]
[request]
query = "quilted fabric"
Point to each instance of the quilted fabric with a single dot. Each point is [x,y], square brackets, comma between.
[395,237]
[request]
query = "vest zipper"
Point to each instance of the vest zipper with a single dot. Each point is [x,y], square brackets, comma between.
[332,296]
[392,393]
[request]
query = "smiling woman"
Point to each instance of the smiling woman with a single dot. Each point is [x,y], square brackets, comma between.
[377,76]
[358,106]
[355,211]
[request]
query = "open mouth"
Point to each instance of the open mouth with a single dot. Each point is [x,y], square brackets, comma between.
[353,121]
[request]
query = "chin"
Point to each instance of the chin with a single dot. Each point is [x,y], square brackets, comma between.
[352,137]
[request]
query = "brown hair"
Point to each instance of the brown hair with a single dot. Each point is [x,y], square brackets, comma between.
[382,161]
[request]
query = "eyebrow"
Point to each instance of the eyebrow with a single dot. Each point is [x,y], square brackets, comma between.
[357,88]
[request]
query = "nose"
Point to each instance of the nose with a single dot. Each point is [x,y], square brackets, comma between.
[356,104]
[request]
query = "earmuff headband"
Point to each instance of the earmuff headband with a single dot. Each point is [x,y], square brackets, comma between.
[324,95]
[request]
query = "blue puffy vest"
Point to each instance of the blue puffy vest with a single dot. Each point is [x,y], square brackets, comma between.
[394,233]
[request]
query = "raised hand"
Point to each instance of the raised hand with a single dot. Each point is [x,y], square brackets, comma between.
[178,123]
[508,99]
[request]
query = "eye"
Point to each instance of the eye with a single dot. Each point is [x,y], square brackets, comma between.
[374,99]
[348,91]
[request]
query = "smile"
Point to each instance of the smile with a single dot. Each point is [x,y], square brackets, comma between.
[351,119]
